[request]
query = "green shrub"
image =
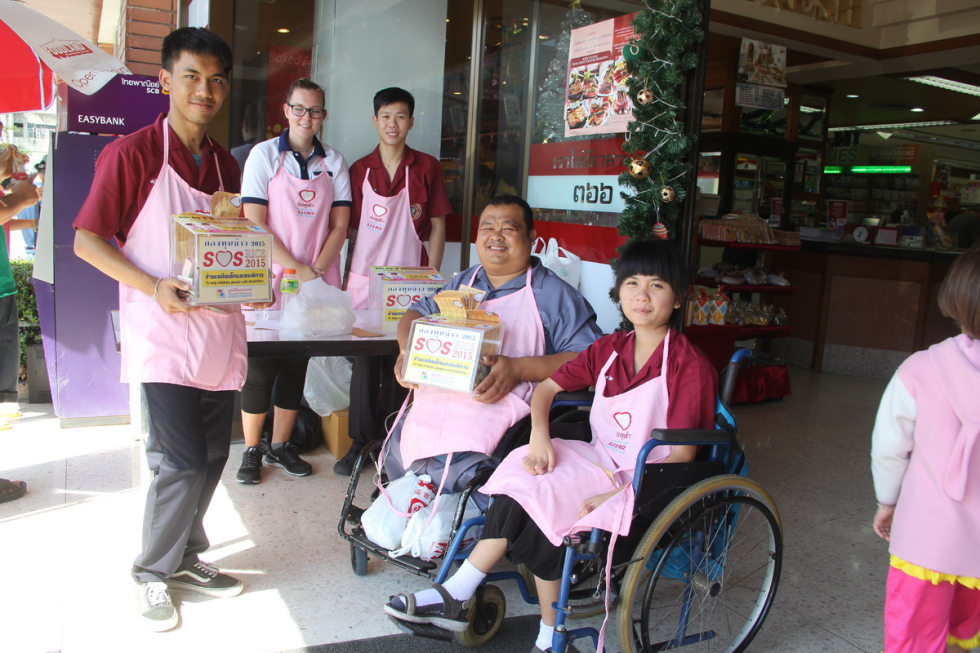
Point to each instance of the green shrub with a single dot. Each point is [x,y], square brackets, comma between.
[30,329]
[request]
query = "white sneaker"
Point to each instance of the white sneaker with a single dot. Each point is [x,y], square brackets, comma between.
[155,606]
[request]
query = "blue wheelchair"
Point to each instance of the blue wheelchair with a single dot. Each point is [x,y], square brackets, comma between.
[698,570]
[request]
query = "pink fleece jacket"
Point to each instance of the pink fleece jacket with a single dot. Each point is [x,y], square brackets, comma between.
[924,456]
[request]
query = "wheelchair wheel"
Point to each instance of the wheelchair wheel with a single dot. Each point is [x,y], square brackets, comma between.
[704,576]
[486,614]
[358,560]
[587,597]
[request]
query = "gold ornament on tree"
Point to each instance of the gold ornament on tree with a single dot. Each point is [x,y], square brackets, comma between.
[645,96]
[640,168]
[667,194]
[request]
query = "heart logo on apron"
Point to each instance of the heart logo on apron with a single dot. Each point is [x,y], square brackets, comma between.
[404,300]
[307,195]
[433,344]
[223,258]
[379,210]
[623,419]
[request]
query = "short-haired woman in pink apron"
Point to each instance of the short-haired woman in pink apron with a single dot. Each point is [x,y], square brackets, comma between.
[647,378]
[299,189]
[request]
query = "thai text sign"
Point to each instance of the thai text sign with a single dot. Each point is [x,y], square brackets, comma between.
[577,176]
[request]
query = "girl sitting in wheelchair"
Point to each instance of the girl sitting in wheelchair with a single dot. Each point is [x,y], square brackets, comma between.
[645,378]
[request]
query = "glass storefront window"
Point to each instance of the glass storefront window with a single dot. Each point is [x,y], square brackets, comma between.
[272,46]
[765,121]
[813,113]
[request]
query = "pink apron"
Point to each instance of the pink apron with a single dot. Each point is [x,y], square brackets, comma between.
[586,469]
[621,425]
[203,349]
[444,421]
[385,236]
[299,216]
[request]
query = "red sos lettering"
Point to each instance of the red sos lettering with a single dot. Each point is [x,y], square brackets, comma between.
[392,300]
[442,347]
[237,259]
[208,259]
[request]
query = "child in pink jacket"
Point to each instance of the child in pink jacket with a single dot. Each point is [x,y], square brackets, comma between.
[927,480]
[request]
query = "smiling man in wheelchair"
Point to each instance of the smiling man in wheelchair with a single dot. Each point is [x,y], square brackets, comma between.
[547,324]
[646,378]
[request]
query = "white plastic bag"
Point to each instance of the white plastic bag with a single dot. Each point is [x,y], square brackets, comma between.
[427,536]
[318,311]
[559,260]
[327,388]
[384,522]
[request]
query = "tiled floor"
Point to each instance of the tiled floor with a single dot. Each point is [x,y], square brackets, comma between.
[68,544]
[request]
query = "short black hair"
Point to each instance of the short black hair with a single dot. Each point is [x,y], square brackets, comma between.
[196,40]
[655,258]
[392,95]
[513,200]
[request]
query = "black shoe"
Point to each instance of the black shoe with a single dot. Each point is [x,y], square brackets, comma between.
[204,578]
[287,458]
[345,466]
[250,473]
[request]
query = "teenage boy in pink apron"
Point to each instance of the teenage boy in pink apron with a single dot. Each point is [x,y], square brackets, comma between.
[298,189]
[399,203]
[189,361]
[647,378]
[547,322]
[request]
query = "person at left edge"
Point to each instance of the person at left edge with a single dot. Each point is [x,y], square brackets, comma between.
[189,360]
[298,189]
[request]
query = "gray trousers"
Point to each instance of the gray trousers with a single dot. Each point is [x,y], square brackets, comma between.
[189,437]
[9,348]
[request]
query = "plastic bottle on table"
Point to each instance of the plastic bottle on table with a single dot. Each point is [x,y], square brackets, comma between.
[289,287]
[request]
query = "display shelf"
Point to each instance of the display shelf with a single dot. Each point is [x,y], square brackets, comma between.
[734,245]
[745,332]
[746,288]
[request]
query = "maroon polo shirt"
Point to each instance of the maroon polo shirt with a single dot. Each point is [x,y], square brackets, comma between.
[426,191]
[127,168]
[692,383]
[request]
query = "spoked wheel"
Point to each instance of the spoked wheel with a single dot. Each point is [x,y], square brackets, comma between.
[358,560]
[485,616]
[706,572]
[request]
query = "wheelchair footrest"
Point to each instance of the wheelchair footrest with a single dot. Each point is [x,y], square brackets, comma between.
[421,567]
[423,630]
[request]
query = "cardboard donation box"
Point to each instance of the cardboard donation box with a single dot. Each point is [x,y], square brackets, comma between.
[394,289]
[445,352]
[225,260]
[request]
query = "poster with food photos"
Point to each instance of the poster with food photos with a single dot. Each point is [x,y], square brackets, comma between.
[596,96]
[762,63]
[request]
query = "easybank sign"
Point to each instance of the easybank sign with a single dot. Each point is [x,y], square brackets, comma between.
[577,176]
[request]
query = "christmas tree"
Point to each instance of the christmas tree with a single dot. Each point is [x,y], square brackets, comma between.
[668,32]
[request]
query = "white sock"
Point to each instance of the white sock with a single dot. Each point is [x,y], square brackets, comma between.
[461,586]
[545,636]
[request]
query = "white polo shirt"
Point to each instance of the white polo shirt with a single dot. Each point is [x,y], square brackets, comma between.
[263,163]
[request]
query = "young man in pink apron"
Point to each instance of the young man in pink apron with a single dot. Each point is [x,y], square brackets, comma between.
[547,322]
[298,189]
[190,361]
[399,203]
[647,378]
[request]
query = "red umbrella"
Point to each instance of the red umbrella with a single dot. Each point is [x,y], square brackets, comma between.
[33,47]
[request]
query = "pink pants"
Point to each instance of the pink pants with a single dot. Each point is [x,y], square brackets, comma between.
[920,616]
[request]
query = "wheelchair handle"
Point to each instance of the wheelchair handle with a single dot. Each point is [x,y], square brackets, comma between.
[730,373]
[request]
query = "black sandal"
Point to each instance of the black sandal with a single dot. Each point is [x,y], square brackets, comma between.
[10,490]
[448,615]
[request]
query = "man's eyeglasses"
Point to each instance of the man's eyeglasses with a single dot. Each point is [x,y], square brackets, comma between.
[298,110]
